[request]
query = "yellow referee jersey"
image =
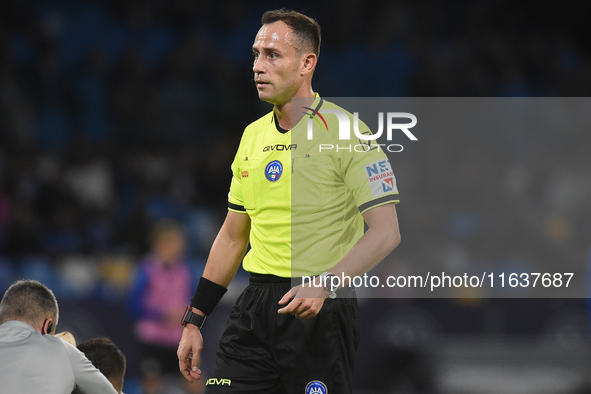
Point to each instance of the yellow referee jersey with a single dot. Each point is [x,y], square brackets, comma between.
[304,198]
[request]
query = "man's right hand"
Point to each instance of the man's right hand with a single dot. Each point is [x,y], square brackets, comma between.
[189,352]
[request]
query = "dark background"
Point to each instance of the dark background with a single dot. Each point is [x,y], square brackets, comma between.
[114,114]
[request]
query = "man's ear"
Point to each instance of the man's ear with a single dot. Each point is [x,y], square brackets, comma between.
[310,60]
[47,327]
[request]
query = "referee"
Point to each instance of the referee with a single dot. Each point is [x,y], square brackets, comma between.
[303,213]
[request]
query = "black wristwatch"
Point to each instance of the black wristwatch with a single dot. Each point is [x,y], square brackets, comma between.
[193,318]
[329,285]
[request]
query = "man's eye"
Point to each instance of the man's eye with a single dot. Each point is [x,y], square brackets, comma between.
[255,54]
[273,55]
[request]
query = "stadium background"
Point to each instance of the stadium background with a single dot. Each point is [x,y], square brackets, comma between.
[114,114]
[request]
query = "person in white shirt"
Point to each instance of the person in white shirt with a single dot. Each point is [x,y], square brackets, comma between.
[33,360]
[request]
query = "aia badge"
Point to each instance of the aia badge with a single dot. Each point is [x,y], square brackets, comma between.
[274,170]
[381,178]
[316,387]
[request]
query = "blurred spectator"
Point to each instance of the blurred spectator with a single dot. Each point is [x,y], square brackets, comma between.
[163,284]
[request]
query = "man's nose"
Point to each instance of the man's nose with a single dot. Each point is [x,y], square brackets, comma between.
[257,66]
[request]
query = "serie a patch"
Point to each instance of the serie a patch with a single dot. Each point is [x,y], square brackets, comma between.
[380,177]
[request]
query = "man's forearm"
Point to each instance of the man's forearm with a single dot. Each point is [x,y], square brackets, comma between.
[223,262]
[228,249]
[224,259]
[225,256]
[371,248]
[378,241]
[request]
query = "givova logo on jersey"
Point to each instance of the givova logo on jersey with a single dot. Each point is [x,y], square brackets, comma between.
[316,387]
[381,178]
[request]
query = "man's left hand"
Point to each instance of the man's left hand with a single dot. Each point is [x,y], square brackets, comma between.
[306,302]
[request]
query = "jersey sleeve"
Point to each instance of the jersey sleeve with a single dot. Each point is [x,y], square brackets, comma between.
[235,200]
[369,176]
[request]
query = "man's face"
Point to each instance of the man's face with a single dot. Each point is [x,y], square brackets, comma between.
[276,65]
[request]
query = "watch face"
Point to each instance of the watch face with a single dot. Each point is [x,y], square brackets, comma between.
[194,318]
[330,283]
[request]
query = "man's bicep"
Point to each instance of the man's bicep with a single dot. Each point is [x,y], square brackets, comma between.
[384,219]
[237,226]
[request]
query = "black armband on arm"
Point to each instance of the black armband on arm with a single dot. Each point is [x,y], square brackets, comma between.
[207,295]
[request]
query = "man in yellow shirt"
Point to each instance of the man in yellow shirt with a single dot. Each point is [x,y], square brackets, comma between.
[302,211]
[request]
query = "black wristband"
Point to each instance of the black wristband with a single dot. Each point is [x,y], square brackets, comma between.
[207,295]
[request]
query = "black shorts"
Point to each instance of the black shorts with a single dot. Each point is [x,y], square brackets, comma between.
[264,352]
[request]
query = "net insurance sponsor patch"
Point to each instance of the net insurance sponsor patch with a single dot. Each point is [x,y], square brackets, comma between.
[380,177]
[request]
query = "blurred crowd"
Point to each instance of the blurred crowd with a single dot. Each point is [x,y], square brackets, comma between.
[116,114]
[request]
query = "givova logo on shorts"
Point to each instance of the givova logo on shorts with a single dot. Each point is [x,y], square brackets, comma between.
[218,382]
[316,387]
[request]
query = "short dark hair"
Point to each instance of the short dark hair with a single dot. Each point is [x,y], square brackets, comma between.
[306,29]
[28,301]
[107,358]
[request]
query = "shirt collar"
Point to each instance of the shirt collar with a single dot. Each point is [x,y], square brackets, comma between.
[17,324]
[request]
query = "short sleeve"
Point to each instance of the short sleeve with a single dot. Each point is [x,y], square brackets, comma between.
[235,200]
[369,176]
